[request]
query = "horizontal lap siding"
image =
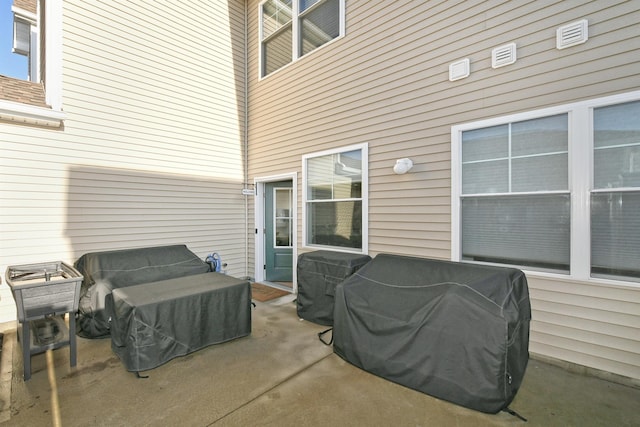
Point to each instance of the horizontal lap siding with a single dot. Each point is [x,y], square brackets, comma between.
[386,84]
[151,152]
[588,324]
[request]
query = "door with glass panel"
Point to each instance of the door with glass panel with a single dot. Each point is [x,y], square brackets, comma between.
[278,231]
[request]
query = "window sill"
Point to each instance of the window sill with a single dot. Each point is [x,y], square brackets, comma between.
[564,277]
[598,281]
[334,249]
[30,114]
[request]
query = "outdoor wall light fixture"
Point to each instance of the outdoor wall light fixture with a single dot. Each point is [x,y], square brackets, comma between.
[402,166]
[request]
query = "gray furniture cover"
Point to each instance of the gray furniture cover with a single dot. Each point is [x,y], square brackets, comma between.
[319,273]
[456,331]
[108,270]
[156,322]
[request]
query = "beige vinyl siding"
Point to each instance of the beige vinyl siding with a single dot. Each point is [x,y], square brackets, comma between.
[594,325]
[151,152]
[386,84]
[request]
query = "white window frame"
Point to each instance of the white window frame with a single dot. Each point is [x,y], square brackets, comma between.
[33,54]
[296,33]
[32,114]
[364,198]
[580,116]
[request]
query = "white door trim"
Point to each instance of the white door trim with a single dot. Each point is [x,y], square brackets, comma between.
[259,256]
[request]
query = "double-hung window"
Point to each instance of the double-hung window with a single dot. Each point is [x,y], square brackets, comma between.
[615,198]
[515,194]
[555,190]
[335,199]
[290,29]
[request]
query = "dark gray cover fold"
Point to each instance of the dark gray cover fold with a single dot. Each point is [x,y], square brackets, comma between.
[456,331]
[108,270]
[158,321]
[319,273]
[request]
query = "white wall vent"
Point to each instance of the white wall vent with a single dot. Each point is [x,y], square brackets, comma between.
[503,55]
[459,69]
[572,34]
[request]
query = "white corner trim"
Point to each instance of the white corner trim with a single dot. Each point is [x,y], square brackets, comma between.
[23,113]
[53,52]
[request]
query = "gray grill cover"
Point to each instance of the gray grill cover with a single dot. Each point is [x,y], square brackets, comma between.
[319,273]
[156,322]
[108,270]
[456,331]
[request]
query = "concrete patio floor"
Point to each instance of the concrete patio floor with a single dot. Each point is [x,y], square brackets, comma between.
[280,375]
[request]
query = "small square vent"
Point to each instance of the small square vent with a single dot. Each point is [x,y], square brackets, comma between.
[572,34]
[459,69]
[503,55]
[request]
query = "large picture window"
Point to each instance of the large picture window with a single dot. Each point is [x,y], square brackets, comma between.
[291,29]
[335,189]
[556,190]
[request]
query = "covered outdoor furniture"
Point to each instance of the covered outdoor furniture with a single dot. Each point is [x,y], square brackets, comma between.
[456,331]
[159,303]
[108,270]
[319,273]
[156,322]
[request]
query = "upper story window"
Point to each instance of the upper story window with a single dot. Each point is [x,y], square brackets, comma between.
[556,190]
[25,46]
[335,199]
[289,29]
[31,66]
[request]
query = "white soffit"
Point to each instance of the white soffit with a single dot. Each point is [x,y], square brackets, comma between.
[503,55]
[572,34]
[459,69]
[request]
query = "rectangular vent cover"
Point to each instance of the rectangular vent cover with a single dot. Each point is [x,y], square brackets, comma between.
[459,69]
[572,34]
[503,55]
